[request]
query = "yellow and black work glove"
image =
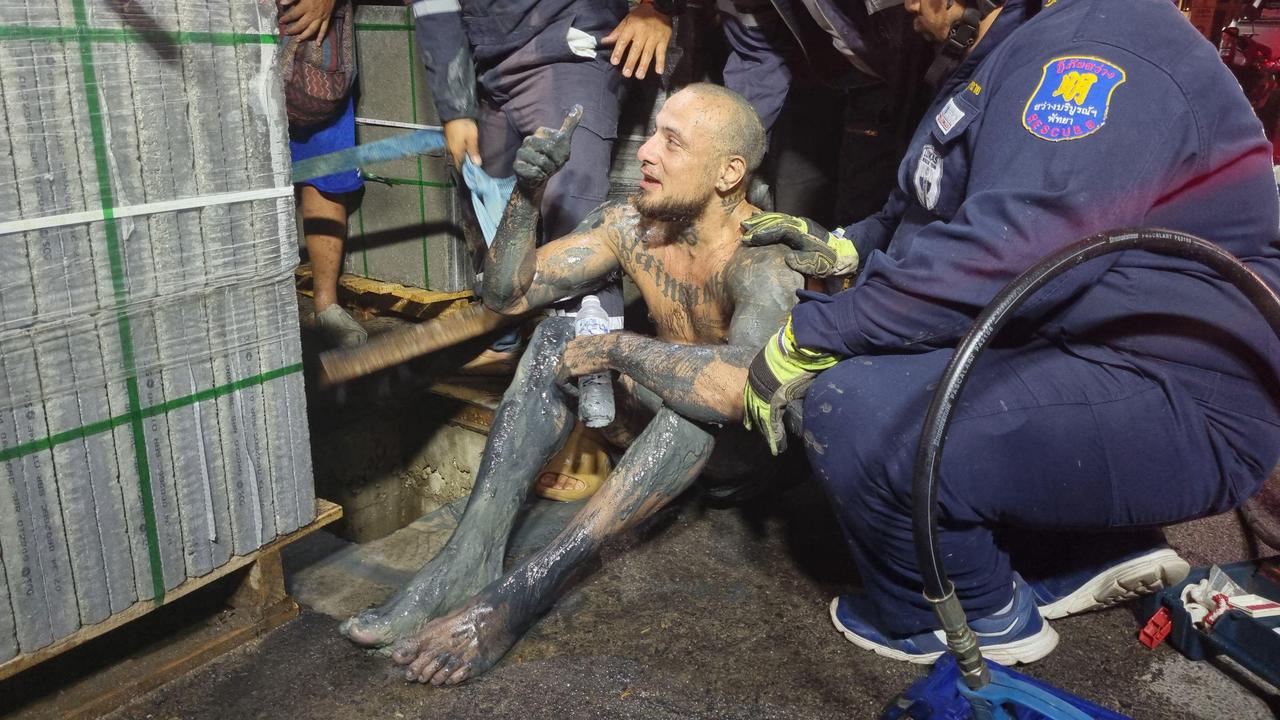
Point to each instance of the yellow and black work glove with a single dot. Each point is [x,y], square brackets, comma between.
[781,372]
[815,252]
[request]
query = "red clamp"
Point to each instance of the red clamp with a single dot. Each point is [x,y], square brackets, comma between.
[1156,629]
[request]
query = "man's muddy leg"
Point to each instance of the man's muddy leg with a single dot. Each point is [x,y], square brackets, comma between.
[661,464]
[531,424]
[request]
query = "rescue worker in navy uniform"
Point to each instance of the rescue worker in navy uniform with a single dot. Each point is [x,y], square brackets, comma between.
[872,64]
[1135,391]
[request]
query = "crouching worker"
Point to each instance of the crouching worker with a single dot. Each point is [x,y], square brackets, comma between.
[1135,391]
[713,302]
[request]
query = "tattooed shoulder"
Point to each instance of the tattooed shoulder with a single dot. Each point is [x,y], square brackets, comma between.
[614,222]
[607,212]
[755,270]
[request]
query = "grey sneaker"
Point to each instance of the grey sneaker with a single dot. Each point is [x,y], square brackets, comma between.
[339,329]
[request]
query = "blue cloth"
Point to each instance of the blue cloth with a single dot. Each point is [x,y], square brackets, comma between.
[541,97]
[338,134]
[756,68]
[515,53]
[488,197]
[1134,390]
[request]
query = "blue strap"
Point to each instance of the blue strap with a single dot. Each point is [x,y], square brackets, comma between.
[418,142]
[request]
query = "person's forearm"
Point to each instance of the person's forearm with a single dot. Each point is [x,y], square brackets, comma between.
[512,259]
[446,56]
[701,382]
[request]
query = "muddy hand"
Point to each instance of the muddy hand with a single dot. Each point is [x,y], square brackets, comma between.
[545,152]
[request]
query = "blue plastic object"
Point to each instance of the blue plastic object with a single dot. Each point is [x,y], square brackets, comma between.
[1010,695]
[1252,642]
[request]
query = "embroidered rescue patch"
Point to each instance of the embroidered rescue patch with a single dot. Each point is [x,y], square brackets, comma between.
[928,178]
[1072,98]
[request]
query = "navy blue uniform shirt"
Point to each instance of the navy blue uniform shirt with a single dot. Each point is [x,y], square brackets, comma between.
[1086,116]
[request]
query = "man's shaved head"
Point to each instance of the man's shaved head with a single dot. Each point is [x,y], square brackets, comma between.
[707,141]
[740,130]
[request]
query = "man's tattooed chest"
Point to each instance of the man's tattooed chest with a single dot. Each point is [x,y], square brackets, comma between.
[687,303]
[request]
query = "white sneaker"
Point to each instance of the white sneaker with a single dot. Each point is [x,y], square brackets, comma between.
[339,329]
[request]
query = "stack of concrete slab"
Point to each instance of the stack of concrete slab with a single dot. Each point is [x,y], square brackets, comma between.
[152,420]
[407,228]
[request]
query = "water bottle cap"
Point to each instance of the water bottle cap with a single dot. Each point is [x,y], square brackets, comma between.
[590,301]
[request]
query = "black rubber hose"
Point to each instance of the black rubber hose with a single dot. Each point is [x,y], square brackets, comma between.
[994,316]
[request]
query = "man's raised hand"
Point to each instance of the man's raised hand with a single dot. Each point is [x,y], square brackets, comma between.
[545,152]
[815,252]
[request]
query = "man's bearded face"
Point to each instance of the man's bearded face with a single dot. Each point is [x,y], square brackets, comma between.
[679,164]
[669,205]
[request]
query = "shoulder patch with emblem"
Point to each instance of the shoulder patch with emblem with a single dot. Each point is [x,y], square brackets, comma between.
[928,177]
[1072,98]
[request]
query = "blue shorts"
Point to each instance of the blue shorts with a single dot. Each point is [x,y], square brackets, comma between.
[338,134]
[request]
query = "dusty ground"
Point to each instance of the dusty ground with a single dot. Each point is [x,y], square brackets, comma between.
[704,614]
[713,613]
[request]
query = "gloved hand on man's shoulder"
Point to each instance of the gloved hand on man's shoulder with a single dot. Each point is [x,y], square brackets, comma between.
[815,252]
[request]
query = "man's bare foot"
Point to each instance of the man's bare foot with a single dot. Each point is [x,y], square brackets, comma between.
[443,584]
[461,646]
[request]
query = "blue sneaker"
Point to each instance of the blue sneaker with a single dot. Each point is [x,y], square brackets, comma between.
[1015,635]
[1103,584]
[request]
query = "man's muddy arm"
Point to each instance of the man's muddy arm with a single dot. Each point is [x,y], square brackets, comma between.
[520,277]
[700,382]
[705,382]
[512,259]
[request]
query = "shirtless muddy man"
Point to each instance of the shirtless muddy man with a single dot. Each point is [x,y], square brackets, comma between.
[713,301]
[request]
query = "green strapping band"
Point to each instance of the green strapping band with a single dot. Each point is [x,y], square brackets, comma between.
[413,106]
[48,443]
[130,35]
[118,288]
[370,177]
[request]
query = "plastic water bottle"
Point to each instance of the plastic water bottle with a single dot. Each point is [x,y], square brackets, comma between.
[595,391]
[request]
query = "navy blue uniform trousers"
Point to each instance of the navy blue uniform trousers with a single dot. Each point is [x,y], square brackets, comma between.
[1041,438]
[541,96]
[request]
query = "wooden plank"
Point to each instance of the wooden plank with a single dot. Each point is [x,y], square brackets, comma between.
[478,398]
[104,691]
[480,391]
[472,418]
[326,512]
[381,297]
[262,585]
